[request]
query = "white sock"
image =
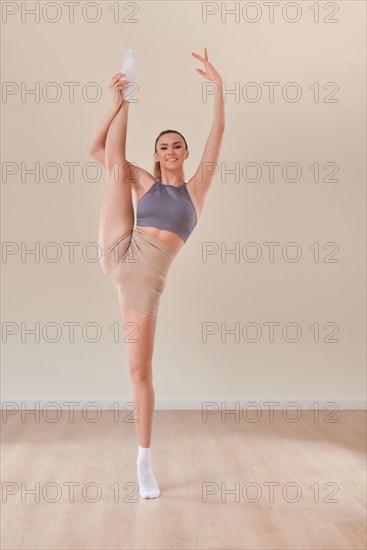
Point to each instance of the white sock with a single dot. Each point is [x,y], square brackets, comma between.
[148,487]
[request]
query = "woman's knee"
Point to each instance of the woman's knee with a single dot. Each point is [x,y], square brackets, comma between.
[140,371]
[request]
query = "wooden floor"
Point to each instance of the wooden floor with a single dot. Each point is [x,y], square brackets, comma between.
[317,470]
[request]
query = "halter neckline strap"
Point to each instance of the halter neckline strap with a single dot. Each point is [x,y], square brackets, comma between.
[169,185]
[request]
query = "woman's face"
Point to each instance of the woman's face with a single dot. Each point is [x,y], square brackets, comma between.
[171,151]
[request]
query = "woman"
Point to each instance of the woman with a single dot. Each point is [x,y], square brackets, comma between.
[137,259]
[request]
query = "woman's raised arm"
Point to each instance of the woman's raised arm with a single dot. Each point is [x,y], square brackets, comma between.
[97,146]
[206,169]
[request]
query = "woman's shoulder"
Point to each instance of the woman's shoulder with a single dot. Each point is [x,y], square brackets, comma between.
[140,179]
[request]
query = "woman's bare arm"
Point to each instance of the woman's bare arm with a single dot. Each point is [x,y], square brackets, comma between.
[118,168]
[115,145]
[96,148]
[218,115]
[207,166]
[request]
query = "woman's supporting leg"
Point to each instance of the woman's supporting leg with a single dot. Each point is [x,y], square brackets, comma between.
[140,347]
[140,352]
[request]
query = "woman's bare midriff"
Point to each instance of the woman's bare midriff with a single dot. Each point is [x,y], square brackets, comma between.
[166,236]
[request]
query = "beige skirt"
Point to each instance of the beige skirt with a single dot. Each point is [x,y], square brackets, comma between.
[137,264]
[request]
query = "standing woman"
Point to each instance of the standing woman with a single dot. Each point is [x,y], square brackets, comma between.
[136,260]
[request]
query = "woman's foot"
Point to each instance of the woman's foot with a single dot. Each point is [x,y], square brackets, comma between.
[148,487]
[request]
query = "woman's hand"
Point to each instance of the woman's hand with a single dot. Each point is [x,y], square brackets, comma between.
[210,72]
[116,87]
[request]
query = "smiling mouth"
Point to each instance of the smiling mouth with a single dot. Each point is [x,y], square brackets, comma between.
[171,160]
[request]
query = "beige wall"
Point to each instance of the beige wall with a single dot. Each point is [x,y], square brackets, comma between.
[325,299]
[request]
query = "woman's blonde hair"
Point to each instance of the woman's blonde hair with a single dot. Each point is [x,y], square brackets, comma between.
[157,165]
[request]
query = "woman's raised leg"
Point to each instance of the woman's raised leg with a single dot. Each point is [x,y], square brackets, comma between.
[117,213]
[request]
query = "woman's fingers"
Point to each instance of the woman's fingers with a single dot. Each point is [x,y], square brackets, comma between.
[198,57]
[119,84]
[201,58]
[117,77]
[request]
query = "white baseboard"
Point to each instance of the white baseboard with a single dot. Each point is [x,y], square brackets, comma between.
[214,406]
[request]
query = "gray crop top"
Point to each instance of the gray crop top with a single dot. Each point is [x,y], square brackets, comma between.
[167,207]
